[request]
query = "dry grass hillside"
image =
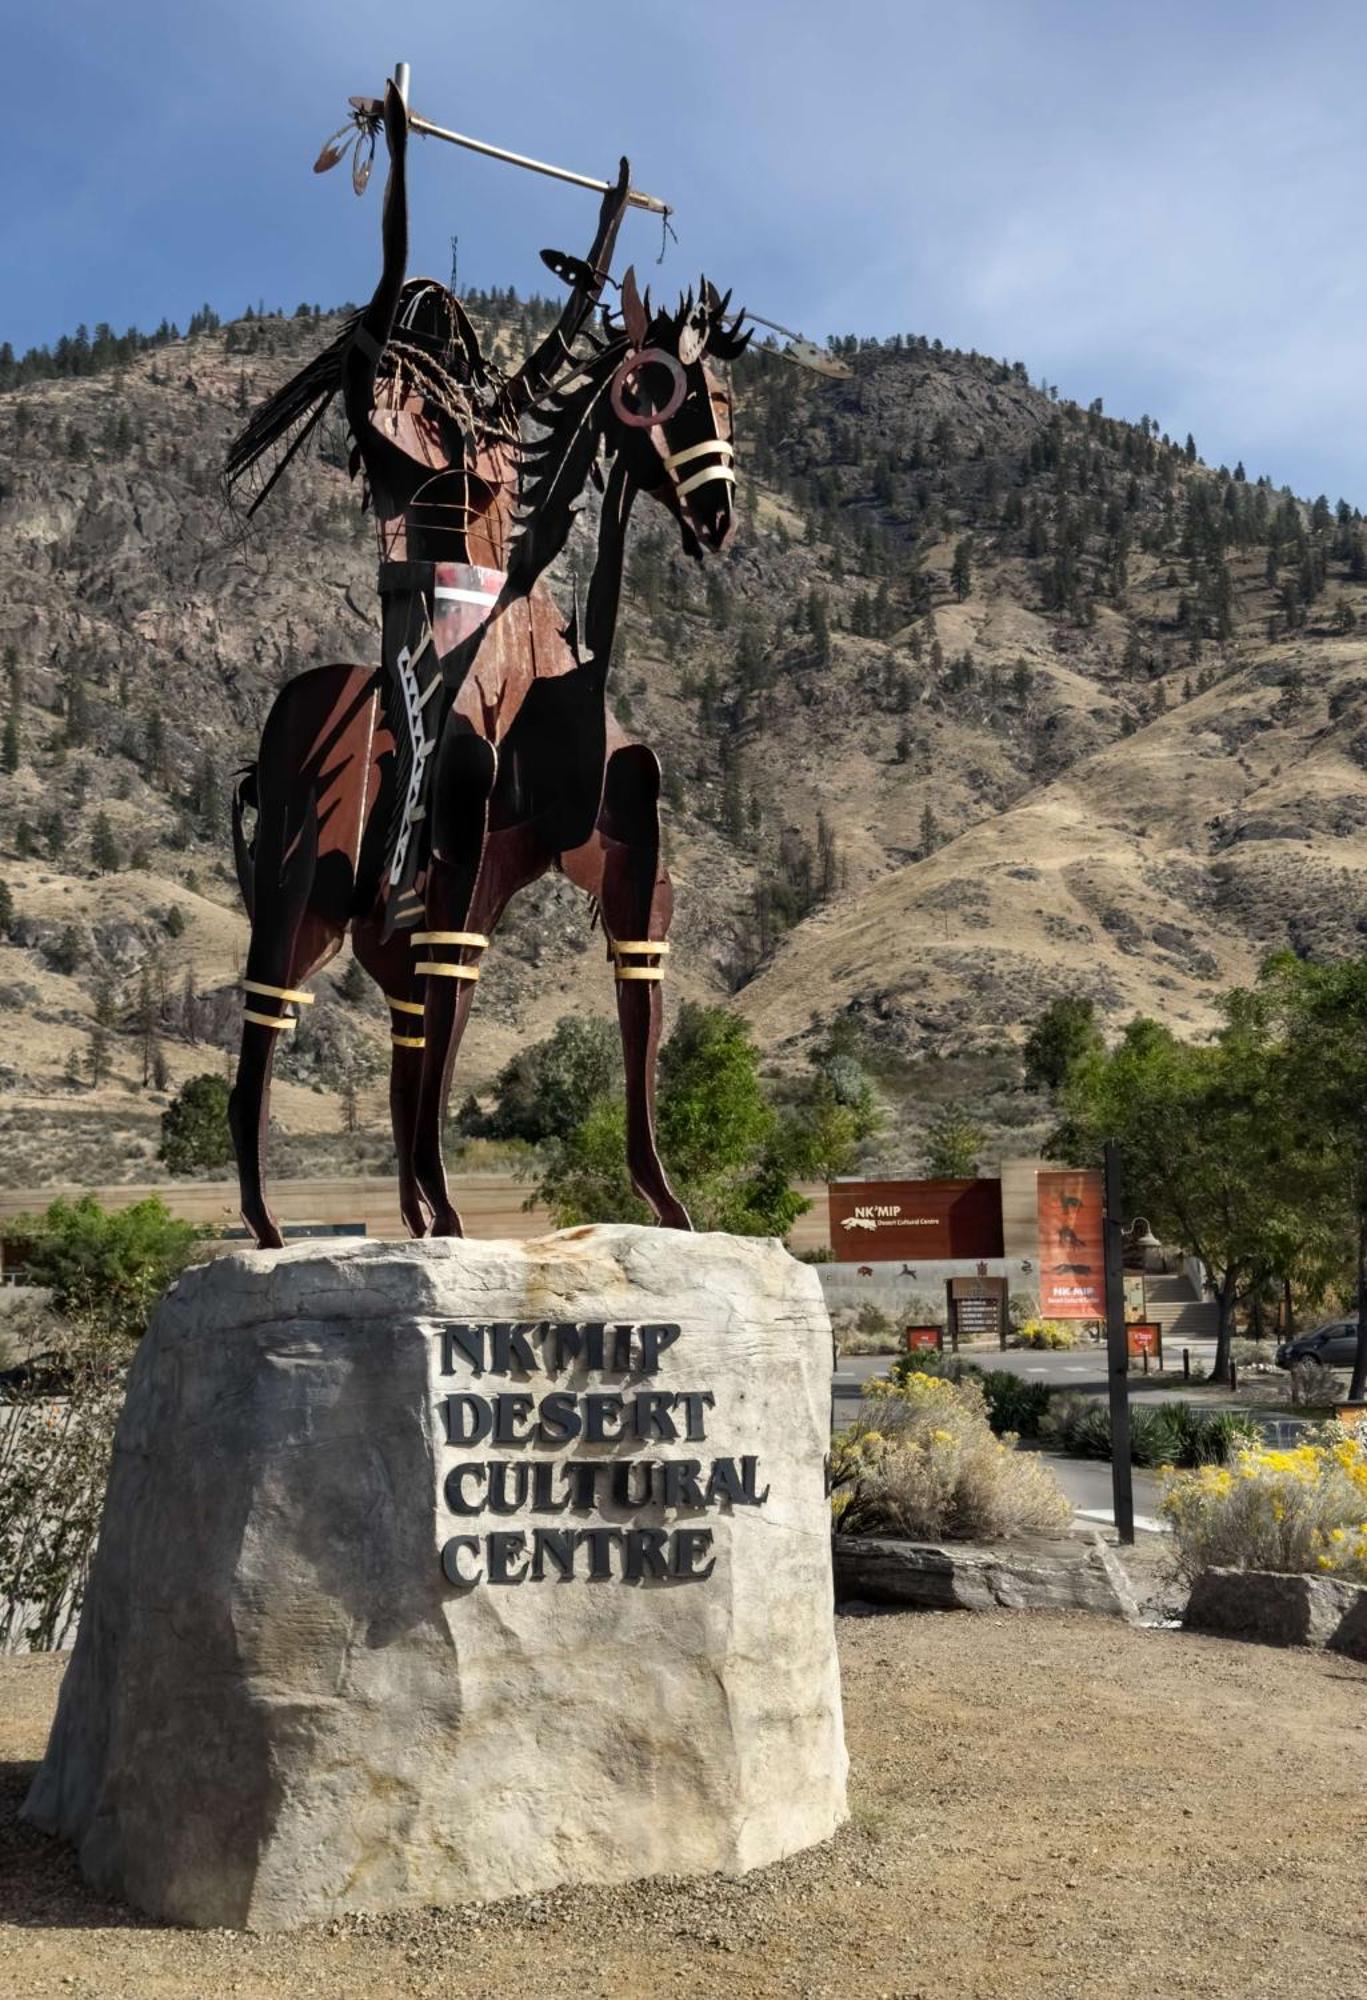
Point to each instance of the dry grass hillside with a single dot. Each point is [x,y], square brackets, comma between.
[993,698]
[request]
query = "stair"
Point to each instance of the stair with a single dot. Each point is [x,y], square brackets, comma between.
[1171,1302]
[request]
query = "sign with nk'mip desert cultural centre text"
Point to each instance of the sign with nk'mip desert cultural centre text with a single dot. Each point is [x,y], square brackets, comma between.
[935,1221]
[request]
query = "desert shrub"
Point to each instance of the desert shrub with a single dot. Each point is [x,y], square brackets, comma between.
[1014,1404]
[944,1367]
[1036,1332]
[1298,1511]
[1251,1353]
[921,1461]
[917,1309]
[1313,1384]
[1079,1425]
[1020,1307]
[864,1329]
[1160,1433]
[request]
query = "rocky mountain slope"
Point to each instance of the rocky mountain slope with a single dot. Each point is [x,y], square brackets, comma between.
[992,698]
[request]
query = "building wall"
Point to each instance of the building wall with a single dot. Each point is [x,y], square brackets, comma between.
[890,1287]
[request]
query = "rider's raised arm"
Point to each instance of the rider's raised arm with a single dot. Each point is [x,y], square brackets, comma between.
[588,277]
[376,323]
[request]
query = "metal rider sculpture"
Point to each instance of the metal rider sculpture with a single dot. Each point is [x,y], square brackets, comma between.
[412,804]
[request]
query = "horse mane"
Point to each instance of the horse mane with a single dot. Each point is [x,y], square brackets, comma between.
[555,467]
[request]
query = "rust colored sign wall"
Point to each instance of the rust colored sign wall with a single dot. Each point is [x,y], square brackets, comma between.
[1072,1273]
[873,1221]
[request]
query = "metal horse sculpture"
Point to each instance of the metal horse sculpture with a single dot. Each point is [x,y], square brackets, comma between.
[411,804]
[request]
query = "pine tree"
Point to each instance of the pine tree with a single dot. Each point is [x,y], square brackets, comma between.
[6,909]
[104,849]
[930,830]
[961,574]
[354,985]
[97,1056]
[9,750]
[147,1021]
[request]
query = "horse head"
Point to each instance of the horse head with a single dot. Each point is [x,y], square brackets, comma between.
[671,417]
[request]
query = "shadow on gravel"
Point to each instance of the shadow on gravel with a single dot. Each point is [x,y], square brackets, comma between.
[40,1884]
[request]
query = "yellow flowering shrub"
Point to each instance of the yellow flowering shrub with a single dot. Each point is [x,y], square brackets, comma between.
[921,1461]
[1046,1333]
[1299,1510]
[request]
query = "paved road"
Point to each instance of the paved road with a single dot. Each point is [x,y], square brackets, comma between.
[1081,1369]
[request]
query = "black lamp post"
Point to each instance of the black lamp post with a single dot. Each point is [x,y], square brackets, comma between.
[1118,1354]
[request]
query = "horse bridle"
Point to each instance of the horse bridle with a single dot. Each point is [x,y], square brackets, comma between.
[716,446]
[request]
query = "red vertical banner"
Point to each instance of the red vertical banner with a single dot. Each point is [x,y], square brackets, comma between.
[1072,1261]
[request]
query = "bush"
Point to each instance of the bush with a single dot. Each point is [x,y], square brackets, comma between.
[1012,1404]
[109,1264]
[864,1329]
[1079,1425]
[1046,1333]
[1251,1353]
[921,1461]
[1313,1384]
[1160,1433]
[55,1451]
[1020,1307]
[1296,1511]
[194,1127]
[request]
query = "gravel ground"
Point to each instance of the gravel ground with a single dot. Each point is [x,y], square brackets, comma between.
[1041,1805]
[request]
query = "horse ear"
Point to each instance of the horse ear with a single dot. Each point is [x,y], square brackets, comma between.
[569,270]
[633,312]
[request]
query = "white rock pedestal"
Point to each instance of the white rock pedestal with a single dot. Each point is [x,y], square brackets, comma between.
[437,1572]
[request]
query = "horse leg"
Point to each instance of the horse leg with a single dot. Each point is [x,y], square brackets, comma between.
[621,866]
[446,952]
[390,965]
[282,879]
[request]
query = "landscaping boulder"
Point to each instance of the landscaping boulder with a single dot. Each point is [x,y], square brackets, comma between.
[443,1571]
[1280,1610]
[1029,1575]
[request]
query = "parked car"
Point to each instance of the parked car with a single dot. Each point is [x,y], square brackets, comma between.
[1335,1344]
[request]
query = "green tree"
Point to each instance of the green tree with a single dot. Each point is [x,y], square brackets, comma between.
[547,1090]
[1318,1017]
[104,849]
[194,1127]
[953,1143]
[931,835]
[110,1262]
[721,1139]
[1066,1031]
[9,749]
[961,571]
[6,909]
[98,1060]
[354,985]
[1204,1148]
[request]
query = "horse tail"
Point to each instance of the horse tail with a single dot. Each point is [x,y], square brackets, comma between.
[245,797]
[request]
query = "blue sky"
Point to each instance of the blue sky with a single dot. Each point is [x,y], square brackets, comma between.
[1160,204]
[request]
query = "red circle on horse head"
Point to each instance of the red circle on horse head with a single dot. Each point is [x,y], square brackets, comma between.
[648,357]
